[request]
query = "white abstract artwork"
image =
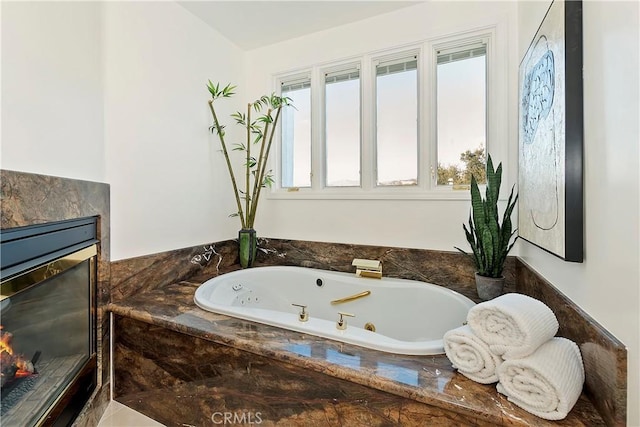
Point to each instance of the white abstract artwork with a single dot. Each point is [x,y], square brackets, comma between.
[547,102]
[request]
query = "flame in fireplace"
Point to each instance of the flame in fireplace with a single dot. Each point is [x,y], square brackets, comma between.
[5,338]
[12,365]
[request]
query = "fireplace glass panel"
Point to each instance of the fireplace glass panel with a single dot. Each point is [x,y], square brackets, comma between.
[47,339]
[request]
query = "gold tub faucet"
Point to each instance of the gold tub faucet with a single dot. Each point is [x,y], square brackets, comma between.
[368,268]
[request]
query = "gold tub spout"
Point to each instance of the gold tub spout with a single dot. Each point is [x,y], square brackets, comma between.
[351,297]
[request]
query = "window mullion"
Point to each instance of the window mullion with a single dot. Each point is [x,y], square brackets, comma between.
[430,96]
[425,152]
[367,129]
[317,131]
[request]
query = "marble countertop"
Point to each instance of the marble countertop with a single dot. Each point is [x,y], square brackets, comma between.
[427,379]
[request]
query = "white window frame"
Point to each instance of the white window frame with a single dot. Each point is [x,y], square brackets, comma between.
[497,117]
[455,43]
[322,168]
[375,61]
[289,79]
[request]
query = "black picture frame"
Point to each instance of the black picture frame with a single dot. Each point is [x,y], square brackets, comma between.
[551,135]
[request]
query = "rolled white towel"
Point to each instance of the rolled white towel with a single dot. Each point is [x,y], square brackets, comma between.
[470,356]
[547,383]
[513,325]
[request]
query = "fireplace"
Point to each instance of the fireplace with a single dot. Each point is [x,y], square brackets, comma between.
[48,322]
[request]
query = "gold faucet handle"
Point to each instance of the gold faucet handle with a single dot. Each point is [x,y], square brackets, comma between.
[303,316]
[341,323]
[351,297]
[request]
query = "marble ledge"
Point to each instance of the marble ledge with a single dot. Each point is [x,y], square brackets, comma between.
[427,379]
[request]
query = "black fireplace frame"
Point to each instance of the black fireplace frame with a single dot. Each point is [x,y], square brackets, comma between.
[33,253]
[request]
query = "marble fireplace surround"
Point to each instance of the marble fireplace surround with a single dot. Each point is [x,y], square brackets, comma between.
[28,199]
[158,290]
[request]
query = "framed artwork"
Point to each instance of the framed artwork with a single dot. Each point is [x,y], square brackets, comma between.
[550,181]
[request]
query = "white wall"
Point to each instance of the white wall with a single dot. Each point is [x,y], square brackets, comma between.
[52,99]
[607,283]
[116,92]
[434,224]
[169,184]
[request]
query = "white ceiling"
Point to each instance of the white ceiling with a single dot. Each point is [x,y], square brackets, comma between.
[252,24]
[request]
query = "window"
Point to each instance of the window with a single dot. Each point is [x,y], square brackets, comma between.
[404,123]
[461,113]
[342,128]
[397,121]
[295,170]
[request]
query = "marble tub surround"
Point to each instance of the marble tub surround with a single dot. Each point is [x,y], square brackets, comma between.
[200,263]
[603,355]
[162,383]
[450,269]
[28,199]
[146,347]
[133,275]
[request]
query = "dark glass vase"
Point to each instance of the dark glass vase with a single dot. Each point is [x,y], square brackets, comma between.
[247,246]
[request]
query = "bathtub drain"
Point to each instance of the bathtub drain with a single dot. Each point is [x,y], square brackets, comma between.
[370,327]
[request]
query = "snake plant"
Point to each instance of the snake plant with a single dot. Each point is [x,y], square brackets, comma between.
[489,240]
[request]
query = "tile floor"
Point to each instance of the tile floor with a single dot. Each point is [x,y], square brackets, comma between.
[119,415]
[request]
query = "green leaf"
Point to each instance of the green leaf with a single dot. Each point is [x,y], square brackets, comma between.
[477,205]
[240,118]
[256,130]
[213,89]
[228,91]
[220,130]
[265,118]
[268,181]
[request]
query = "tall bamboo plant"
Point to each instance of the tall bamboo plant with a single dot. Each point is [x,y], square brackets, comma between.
[490,241]
[260,131]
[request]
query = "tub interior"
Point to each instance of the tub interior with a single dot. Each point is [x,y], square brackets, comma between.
[405,313]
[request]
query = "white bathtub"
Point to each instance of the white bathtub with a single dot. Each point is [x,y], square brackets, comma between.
[410,317]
